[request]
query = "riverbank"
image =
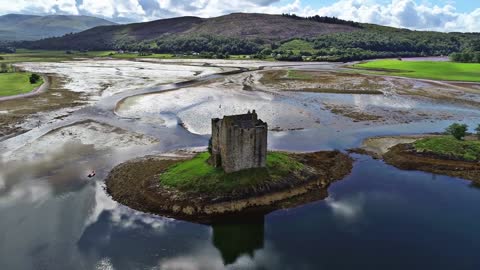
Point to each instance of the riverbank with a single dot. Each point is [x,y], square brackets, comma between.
[19,115]
[136,184]
[400,151]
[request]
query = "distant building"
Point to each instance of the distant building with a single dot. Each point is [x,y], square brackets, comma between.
[239,142]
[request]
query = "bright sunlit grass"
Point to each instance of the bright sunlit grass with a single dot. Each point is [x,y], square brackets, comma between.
[16,83]
[197,175]
[426,69]
[449,146]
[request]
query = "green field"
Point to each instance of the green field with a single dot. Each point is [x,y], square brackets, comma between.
[16,83]
[46,56]
[297,46]
[449,146]
[198,176]
[299,75]
[448,71]
[23,55]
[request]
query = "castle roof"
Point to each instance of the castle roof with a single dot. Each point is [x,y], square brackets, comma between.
[248,120]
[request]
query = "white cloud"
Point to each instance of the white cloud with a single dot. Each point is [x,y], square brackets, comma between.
[39,7]
[348,209]
[207,256]
[122,216]
[210,8]
[26,192]
[404,13]
[415,14]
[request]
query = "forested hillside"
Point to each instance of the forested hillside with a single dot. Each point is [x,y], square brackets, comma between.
[284,37]
[238,29]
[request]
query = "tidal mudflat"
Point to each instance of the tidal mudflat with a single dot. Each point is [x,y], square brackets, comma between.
[53,216]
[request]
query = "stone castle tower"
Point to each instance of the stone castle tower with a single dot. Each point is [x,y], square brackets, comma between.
[239,142]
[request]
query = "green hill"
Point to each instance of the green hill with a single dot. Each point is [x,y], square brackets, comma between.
[31,27]
[260,28]
[285,37]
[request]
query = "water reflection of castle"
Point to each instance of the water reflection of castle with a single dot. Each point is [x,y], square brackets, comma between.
[238,238]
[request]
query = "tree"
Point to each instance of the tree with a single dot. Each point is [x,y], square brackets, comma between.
[478,131]
[474,44]
[457,130]
[34,78]
[4,68]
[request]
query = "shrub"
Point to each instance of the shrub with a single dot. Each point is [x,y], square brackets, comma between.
[457,130]
[478,131]
[3,68]
[34,78]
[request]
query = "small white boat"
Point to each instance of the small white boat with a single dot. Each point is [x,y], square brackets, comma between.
[92,174]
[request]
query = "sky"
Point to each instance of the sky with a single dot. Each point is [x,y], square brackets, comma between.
[438,15]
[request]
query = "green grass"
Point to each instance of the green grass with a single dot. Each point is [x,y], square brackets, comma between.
[23,55]
[299,75]
[135,55]
[296,46]
[451,147]
[449,71]
[16,83]
[197,175]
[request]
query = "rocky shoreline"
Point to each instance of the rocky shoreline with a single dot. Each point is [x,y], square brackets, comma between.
[403,157]
[398,151]
[136,185]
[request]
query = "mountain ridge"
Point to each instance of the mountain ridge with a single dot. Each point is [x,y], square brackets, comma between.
[264,35]
[265,28]
[16,27]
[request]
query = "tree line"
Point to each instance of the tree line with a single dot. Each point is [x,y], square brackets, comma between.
[206,43]
[466,57]
[469,55]
[323,19]
[7,47]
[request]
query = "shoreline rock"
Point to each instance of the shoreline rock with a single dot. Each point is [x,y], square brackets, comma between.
[398,152]
[402,157]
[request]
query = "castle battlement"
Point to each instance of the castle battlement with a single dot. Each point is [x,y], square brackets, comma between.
[239,142]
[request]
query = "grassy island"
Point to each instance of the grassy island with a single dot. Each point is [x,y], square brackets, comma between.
[448,146]
[189,188]
[438,154]
[197,175]
[16,83]
[426,69]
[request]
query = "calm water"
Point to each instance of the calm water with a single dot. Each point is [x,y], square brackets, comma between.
[378,217]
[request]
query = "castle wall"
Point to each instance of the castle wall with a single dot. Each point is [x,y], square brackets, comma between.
[216,159]
[236,148]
